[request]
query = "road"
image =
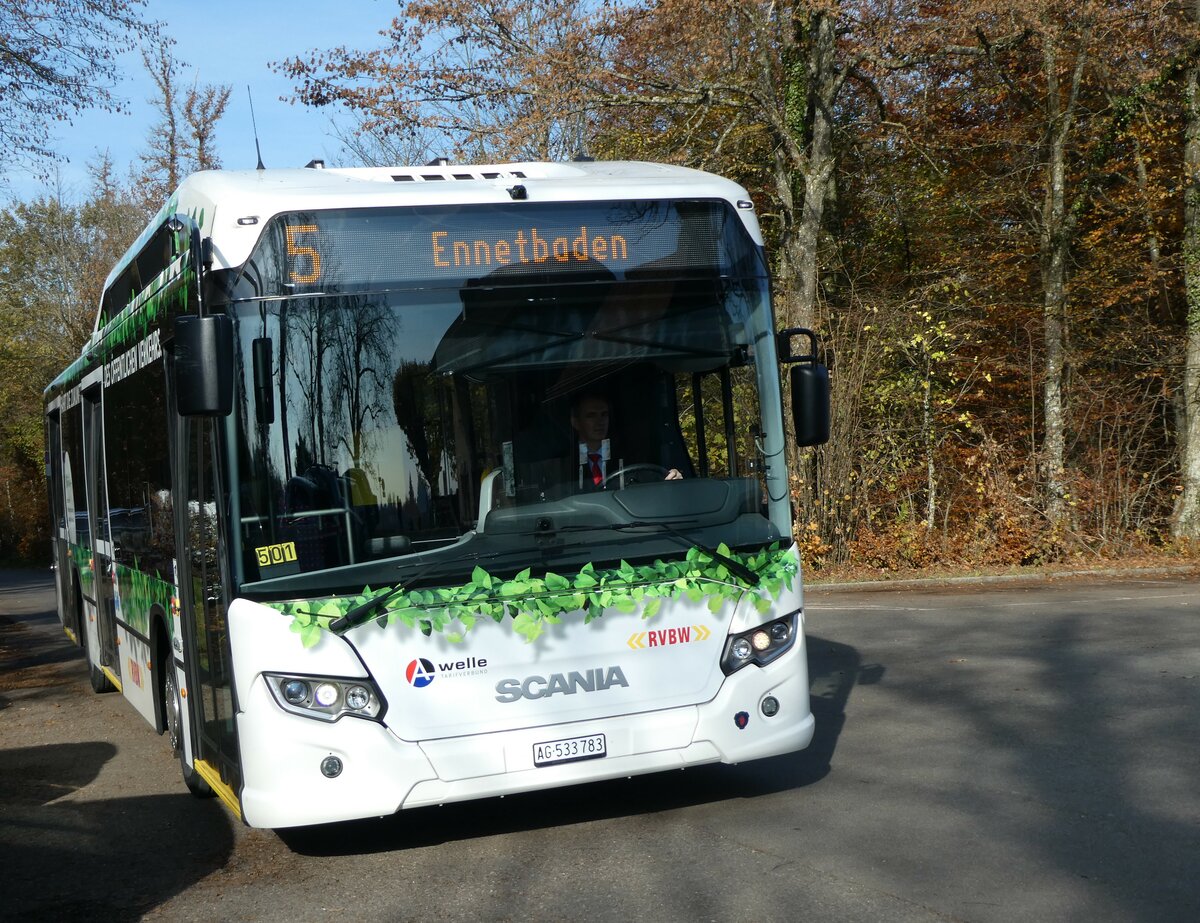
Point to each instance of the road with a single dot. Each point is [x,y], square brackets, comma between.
[983,753]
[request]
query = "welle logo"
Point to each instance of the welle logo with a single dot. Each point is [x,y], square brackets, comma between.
[420,672]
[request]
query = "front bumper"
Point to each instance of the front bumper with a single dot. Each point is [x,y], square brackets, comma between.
[281,753]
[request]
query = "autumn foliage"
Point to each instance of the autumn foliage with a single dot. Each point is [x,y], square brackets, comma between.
[987,210]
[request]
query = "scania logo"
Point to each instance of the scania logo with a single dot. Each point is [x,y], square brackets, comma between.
[540,687]
[419,673]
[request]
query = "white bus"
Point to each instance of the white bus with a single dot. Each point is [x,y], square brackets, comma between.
[327,513]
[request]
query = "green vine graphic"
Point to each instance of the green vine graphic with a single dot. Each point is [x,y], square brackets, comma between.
[170,297]
[533,602]
[140,592]
[87,574]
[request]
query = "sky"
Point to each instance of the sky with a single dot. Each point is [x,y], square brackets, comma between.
[224,42]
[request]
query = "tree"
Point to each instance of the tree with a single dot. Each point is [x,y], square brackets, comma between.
[181,141]
[163,159]
[1041,117]
[489,80]
[1187,512]
[54,256]
[203,107]
[58,58]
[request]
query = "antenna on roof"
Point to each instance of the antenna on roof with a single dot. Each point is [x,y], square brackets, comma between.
[254,125]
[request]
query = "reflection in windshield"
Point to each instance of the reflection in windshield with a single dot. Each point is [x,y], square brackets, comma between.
[426,425]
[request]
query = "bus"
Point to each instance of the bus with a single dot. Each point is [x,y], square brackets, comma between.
[322,510]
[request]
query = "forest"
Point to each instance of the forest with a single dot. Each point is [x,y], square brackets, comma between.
[988,211]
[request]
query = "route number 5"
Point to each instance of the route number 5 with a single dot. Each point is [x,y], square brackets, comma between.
[295,250]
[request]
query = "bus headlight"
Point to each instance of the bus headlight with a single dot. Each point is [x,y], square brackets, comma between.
[326,698]
[759,645]
[295,691]
[327,695]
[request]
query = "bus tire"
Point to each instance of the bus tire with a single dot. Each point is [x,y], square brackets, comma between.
[100,682]
[172,707]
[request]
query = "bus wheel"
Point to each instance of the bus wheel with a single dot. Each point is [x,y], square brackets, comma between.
[100,682]
[172,705]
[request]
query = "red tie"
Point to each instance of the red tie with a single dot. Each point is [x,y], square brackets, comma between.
[597,472]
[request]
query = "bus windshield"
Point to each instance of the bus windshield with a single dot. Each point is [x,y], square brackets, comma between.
[427,390]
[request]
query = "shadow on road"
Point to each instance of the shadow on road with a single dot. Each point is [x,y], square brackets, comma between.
[110,860]
[67,852]
[834,670]
[33,649]
[39,775]
[68,858]
[33,663]
[1081,754]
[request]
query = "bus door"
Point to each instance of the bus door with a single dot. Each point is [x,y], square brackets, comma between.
[102,547]
[58,535]
[206,637]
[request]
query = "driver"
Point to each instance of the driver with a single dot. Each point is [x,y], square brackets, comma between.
[590,414]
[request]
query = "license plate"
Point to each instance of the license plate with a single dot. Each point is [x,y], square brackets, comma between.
[591,747]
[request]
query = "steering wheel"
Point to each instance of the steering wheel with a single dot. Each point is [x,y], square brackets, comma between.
[630,469]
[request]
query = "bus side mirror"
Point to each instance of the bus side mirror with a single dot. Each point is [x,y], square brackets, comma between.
[810,403]
[809,381]
[204,365]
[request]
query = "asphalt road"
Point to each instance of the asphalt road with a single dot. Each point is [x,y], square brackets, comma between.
[983,753]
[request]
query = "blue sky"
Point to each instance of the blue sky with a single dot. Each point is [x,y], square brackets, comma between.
[224,41]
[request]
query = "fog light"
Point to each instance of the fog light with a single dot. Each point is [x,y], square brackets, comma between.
[295,691]
[331,767]
[770,706]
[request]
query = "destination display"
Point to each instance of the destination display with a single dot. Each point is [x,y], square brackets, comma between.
[354,249]
[527,247]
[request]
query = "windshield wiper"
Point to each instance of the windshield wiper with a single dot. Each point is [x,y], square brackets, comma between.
[737,568]
[364,612]
[734,567]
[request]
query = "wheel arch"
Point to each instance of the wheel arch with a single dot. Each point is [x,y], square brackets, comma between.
[162,659]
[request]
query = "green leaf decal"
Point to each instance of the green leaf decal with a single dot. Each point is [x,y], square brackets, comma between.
[531,602]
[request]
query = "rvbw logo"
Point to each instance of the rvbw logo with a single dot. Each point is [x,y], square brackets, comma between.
[420,673]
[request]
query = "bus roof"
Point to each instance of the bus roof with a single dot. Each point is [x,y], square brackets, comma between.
[232,206]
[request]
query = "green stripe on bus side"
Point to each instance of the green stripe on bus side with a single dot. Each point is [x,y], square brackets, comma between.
[136,319]
[82,556]
[140,592]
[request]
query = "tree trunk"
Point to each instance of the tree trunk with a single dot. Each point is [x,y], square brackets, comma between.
[1054,336]
[815,84]
[1187,509]
[1058,226]
[1153,244]
[929,442]
[803,170]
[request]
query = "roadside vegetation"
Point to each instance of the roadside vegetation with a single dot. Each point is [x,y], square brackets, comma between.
[989,212]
